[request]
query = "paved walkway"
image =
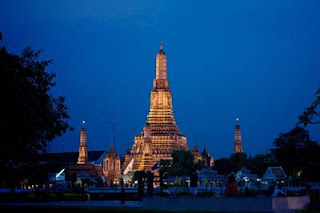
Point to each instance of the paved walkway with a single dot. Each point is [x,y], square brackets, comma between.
[107,203]
[253,204]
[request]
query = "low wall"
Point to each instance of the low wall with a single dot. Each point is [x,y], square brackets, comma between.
[290,203]
[263,204]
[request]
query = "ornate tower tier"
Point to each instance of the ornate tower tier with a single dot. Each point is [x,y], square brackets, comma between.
[83,148]
[237,147]
[161,135]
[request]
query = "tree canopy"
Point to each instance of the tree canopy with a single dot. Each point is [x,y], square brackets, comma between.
[311,114]
[257,164]
[298,154]
[31,116]
[181,164]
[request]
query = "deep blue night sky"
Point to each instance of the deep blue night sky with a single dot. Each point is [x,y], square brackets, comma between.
[256,60]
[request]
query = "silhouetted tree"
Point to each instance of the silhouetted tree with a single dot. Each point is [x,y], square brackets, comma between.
[31,116]
[239,160]
[224,166]
[182,163]
[165,166]
[298,154]
[259,163]
[311,115]
[198,166]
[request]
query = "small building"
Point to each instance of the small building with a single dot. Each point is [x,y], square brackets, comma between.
[205,157]
[208,175]
[245,174]
[245,178]
[196,154]
[84,172]
[111,167]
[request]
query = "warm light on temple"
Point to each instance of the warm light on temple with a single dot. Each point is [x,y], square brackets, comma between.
[161,135]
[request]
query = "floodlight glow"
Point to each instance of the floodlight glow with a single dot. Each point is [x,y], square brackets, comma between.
[57,175]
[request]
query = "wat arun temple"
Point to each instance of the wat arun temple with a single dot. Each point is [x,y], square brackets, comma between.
[159,138]
[160,135]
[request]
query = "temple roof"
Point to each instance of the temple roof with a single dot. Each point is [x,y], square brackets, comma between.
[244,170]
[90,169]
[205,151]
[112,153]
[195,148]
[209,174]
[128,152]
[274,173]
[69,157]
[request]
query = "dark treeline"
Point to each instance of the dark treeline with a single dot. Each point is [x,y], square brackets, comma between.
[294,151]
[30,116]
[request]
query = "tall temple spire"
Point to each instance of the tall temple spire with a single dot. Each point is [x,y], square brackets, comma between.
[237,147]
[113,134]
[161,134]
[161,65]
[83,148]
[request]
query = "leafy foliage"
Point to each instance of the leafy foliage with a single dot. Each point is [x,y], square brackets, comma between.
[224,166]
[165,166]
[298,154]
[309,114]
[182,163]
[31,117]
[198,166]
[227,165]
[257,164]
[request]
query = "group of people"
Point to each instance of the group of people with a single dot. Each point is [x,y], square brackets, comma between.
[232,187]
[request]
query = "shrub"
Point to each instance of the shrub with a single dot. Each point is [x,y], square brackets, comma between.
[206,194]
[184,194]
[163,194]
[250,194]
[74,197]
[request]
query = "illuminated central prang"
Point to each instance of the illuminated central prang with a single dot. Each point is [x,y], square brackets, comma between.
[160,135]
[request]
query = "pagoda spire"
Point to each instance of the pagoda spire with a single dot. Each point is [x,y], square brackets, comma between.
[128,150]
[237,146]
[205,151]
[195,147]
[112,150]
[160,135]
[161,64]
[83,148]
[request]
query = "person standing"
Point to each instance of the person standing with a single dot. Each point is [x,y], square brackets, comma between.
[194,184]
[232,187]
